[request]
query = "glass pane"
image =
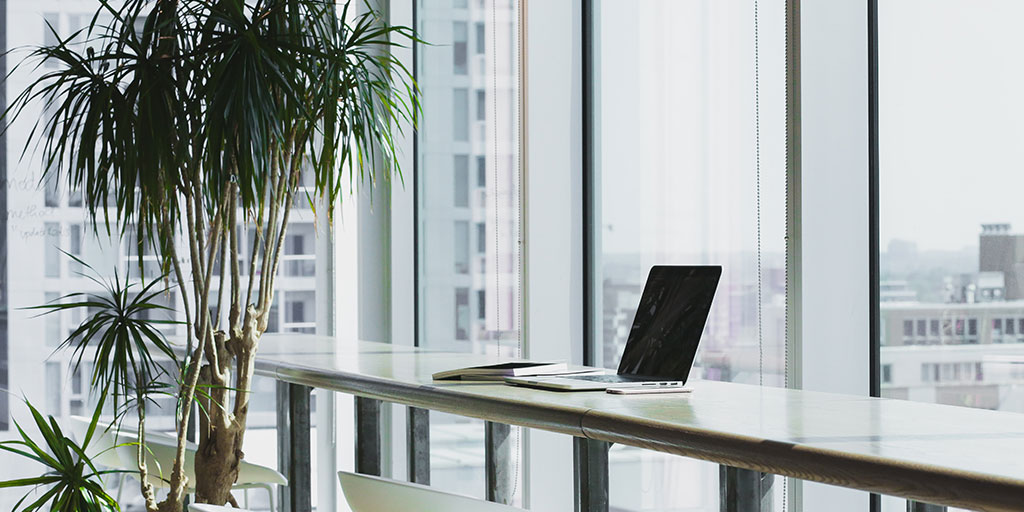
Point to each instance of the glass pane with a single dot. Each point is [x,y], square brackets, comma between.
[467,188]
[676,182]
[950,219]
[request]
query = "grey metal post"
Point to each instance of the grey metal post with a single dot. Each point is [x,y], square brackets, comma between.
[498,460]
[917,506]
[743,490]
[368,444]
[590,474]
[418,441]
[293,444]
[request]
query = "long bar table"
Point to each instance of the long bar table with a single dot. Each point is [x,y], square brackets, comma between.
[933,454]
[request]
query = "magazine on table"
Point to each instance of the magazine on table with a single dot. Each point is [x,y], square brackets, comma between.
[509,369]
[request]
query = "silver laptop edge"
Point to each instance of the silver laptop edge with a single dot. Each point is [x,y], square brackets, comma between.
[569,384]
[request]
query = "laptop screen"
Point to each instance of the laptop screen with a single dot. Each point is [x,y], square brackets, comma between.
[669,321]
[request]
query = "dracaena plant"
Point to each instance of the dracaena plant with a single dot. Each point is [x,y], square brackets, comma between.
[121,337]
[185,121]
[70,481]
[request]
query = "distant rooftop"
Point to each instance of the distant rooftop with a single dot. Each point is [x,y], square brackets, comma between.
[995,229]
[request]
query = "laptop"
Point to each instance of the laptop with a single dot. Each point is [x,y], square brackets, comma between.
[663,341]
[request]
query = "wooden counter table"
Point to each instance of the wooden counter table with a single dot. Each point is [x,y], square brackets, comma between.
[930,453]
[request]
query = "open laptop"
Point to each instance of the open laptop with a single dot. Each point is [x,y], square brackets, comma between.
[663,340]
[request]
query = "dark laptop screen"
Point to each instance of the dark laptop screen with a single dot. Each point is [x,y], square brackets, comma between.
[669,321]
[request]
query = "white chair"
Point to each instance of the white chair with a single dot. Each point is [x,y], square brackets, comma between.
[202,507]
[366,493]
[115,449]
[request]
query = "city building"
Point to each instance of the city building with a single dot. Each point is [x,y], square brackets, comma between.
[968,351]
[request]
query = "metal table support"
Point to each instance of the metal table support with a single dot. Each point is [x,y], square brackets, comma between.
[293,445]
[418,442]
[743,490]
[368,460]
[917,506]
[590,474]
[498,460]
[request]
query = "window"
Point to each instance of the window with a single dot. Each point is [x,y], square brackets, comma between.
[485,200]
[949,216]
[886,373]
[75,198]
[921,327]
[299,311]
[481,176]
[908,327]
[460,115]
[933,327]
[468,203]
[299,259]
[74,249]
[52,248]
[460,65]
[461,247]
[462,314]
[51,34]
[461,177]
[675,174]
[51,197]
[481,39]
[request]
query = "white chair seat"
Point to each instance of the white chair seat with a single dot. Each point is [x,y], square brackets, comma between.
[202,507]
[116,449]
[366,493]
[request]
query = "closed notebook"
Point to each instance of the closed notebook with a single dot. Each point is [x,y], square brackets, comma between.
[502,370]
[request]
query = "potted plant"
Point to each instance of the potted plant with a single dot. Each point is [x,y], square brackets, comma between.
[70,482]
[186,121]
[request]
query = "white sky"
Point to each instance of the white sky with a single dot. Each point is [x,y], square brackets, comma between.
[676,91]
[951,119]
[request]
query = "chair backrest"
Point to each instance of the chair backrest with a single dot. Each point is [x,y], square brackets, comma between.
[366,493]
[160,452]
[104,448]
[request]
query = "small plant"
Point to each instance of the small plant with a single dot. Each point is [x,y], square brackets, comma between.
[71,483]
[125,345]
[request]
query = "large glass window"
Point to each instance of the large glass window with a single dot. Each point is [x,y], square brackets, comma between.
[689,168]
[951,225]
[467,186]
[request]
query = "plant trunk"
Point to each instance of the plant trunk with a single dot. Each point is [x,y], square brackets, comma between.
[217,464]
[220,451]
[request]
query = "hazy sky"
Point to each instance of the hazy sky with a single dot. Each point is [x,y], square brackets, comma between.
[951,119]
[675,128]
[951,80]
